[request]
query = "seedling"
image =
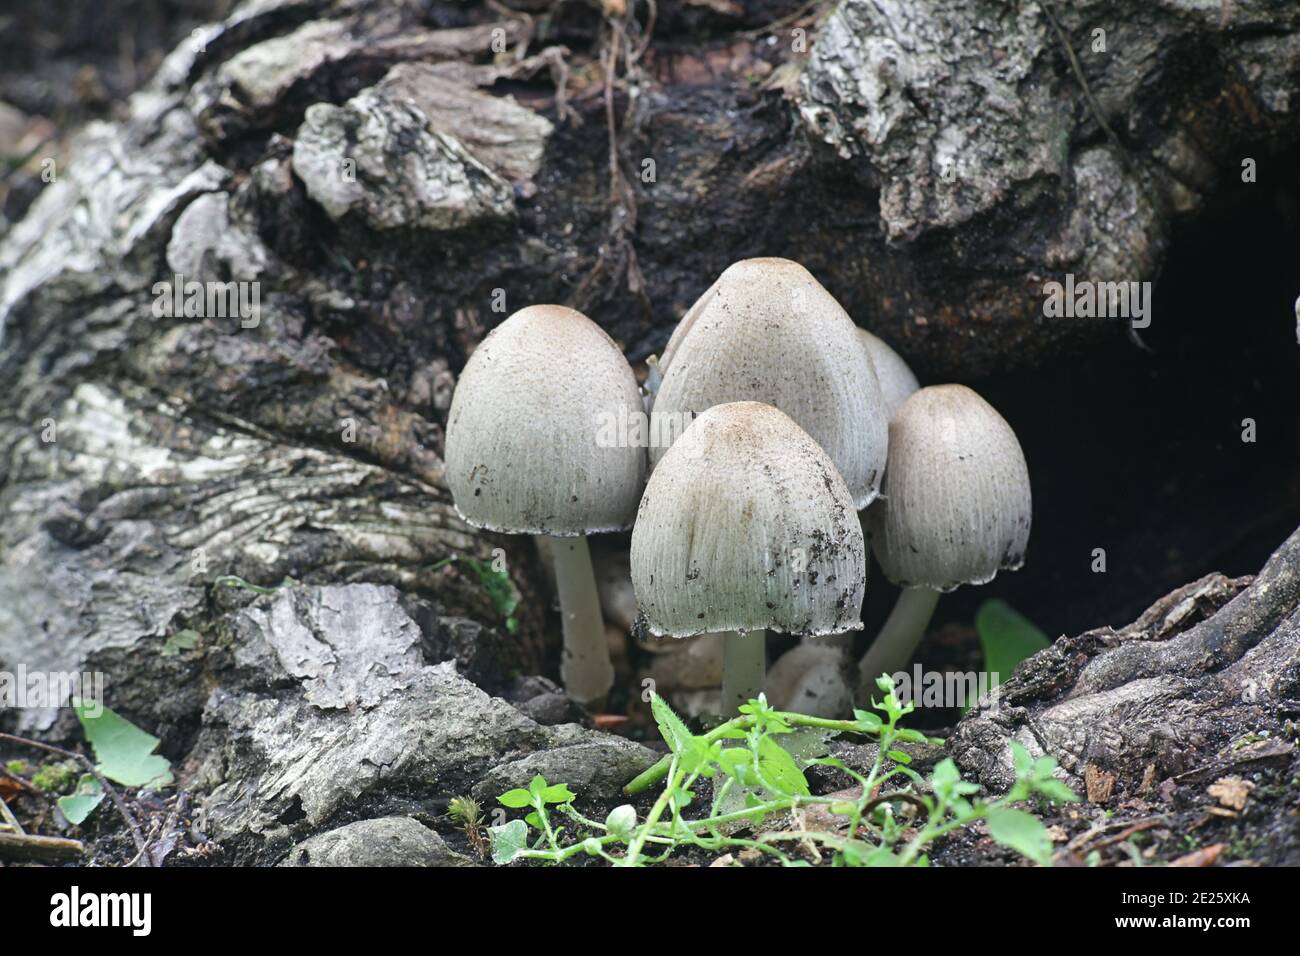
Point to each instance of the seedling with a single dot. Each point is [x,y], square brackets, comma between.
[759,785]
[467,812]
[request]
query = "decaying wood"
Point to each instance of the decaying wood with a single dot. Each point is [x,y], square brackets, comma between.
[393,182]
[1203,683]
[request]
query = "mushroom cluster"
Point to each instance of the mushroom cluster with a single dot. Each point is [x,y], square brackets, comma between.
[748,521]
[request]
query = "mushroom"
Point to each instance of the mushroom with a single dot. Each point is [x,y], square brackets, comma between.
[810,679]
[523,458]
[745,527]
[766,331]
[896,380]
[955,509]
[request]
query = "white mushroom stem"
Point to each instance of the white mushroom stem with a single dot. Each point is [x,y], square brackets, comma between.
[744,668]
[585,666]
[897,640]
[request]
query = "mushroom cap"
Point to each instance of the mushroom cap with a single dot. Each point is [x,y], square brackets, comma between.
[524,448]
[897,382]
[745,526]
[956,504]
[766,331]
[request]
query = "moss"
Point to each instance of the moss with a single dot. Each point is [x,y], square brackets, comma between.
[56,777]
[18,767]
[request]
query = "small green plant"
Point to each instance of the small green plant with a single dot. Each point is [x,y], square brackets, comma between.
[57,777]
[1007,637]
[759,785]
[124,754]
[179,642]
[495,583]
[466,812]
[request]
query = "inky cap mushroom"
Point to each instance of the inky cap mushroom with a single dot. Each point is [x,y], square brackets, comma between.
[747,526]
[956,505]
[522,450]
[897,382]
[767,331]
[524,456]
[955,509]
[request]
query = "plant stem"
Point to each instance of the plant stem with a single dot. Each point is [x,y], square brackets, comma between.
[897,640]
[656,811]
[744,668]
[648,778]
[585,666]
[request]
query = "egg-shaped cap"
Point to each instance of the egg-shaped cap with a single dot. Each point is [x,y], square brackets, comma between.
[766,331]
[530,445]
[746,525]
[956,505]
[897,382]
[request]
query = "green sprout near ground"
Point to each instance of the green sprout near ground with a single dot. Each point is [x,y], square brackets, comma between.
[495,583]
[758,785]
[466,812]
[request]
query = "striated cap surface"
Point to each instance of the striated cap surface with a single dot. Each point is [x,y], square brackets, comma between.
[746,525]
[533,438]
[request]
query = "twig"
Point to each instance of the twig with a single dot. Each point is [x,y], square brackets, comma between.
[10,818]
[1093,106]
[780,23]
[16,847]
[86,762]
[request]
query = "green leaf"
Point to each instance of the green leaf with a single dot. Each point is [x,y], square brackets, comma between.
[945,773]
[671,728]
[508,841]
[779,768]
[1007,636]
[860,853]
[125,752]
[559,793]
[499,589]
[1022,832]
[1020,757]
[185,640]
[535,821]
[537,786]
[898,756]
[867,721]
[1057,791]
[88,795]
[515,799]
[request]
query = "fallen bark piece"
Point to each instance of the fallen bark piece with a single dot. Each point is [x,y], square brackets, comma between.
[1205,856]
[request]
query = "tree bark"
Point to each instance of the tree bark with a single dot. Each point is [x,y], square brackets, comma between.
[393,177]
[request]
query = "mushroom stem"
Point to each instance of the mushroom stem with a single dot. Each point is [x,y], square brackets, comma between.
[744,668]
[897,640]
[585,666]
